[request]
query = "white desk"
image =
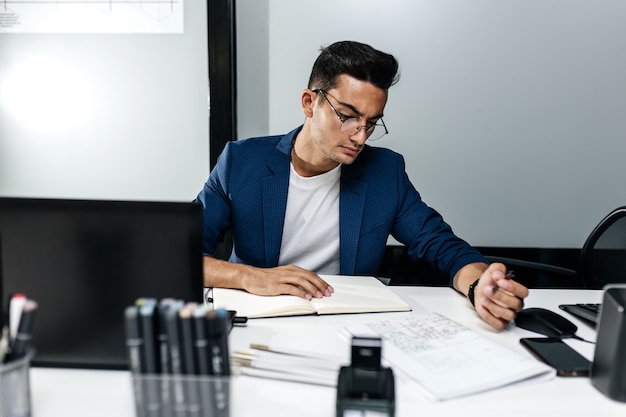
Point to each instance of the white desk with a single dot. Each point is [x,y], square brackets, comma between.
[68,393]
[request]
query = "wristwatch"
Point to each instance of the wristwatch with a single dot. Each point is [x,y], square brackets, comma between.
[470,291]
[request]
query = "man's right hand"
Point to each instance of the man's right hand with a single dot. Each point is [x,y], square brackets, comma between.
[289,279]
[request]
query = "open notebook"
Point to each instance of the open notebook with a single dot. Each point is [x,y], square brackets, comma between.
[353,294]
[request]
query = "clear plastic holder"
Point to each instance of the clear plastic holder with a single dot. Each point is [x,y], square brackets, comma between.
[181,395]
[15,387]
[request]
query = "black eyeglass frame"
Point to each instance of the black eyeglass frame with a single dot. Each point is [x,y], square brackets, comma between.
[368,129]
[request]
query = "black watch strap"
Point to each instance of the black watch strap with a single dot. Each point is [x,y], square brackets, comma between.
[470,291]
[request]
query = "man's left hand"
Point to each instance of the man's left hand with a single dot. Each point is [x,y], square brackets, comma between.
[498,298]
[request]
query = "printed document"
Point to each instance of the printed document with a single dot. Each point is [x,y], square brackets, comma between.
[444,359]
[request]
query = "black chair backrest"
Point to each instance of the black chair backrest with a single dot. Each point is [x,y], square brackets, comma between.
[603,256]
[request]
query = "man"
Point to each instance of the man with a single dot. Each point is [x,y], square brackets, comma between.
[318,200]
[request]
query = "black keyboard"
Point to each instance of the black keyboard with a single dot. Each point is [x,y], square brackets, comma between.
[589,311]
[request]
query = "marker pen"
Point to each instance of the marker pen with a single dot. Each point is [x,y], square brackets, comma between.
[203,359]
[186,329]
[4,343]
[16,306]
[217,326]
[148,319]
[201,342]
[179,406]
[24,332]
[134,344]
[189,361]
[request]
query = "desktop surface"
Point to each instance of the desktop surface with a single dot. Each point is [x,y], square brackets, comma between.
[104,393]
[84,261]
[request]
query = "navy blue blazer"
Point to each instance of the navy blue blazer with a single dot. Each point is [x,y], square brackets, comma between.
[247,193]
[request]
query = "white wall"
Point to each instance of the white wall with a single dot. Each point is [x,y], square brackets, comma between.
[511,114]
[106,116]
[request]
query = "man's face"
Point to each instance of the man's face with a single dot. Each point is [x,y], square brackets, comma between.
[351,98]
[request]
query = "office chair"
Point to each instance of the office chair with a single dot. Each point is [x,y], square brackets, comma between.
[602,258]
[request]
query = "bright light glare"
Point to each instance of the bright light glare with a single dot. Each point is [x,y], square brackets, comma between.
[47,95]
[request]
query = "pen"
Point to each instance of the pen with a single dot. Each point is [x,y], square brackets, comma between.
[202,346]
[149,327]
[134,344]
[24,333]
[4,343]
[147,313]
[201,342]
[16,306]
[218,339]
[189,361]
[179,395]
[508,276]
[167,397]
[134,339]
[4,329]
[217,326]
[172,329]
[164,356]
[186,330]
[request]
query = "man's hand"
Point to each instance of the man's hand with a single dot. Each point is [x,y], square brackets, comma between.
[497,298]
[288,279]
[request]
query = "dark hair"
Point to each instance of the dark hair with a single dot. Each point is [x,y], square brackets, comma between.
[356,59]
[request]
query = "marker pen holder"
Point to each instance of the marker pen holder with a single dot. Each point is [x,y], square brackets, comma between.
[181,395]
[15,387]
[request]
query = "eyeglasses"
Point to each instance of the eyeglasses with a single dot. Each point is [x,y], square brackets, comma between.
[351,125]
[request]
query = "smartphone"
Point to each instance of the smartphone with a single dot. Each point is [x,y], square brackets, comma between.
[558,354]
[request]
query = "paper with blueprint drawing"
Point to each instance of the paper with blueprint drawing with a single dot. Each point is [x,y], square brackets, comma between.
[446,360]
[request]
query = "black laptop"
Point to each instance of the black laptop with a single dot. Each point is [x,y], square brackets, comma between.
[84,261]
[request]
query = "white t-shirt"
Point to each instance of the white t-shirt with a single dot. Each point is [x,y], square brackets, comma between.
[311,230]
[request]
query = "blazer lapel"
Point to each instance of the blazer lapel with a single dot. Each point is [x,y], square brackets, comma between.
[275,186]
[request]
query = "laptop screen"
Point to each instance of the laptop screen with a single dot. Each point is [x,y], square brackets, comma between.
[84,261]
